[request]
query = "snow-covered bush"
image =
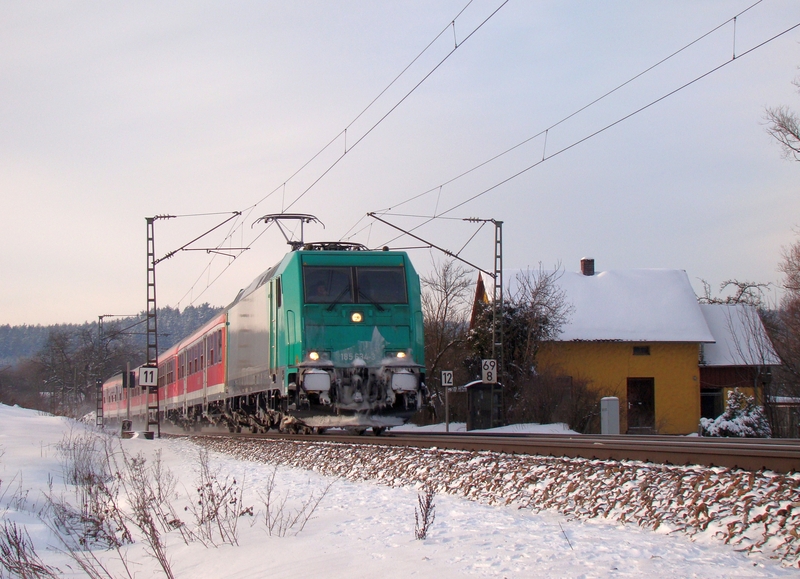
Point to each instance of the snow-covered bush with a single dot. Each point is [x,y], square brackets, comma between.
[742,418]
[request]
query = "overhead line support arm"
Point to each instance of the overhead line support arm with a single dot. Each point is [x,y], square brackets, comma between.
[443,250]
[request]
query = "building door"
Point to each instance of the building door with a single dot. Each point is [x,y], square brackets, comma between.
[641,406]
[711,404]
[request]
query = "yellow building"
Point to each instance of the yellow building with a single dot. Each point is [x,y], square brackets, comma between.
[636,335]
[657,383]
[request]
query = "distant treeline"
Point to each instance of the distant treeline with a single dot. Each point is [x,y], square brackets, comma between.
[21,342]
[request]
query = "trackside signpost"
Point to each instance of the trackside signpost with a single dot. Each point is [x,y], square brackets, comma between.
[447,378]
[148,378]
[447,383]
[489,371]
[485,398]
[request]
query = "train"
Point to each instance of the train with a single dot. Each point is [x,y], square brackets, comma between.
[330,337]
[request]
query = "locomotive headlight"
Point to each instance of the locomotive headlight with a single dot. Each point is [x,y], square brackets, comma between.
[356,317]
[401,354]
[314,356]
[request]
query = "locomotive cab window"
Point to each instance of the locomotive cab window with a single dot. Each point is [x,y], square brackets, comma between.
[347,285]
[326,285]
[381,285]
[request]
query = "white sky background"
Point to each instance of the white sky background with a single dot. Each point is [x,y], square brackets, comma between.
[113,112]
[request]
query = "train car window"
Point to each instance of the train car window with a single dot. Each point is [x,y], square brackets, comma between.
[328,285]
[381,285]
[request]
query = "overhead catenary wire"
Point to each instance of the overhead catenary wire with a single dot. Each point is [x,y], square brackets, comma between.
[622,119]
[391,110]
[343,132]
[545,156]
[440,215]
[544,132]
[247,212]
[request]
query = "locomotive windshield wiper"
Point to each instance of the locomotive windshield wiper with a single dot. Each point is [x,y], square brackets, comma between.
[338,297]
[370,300]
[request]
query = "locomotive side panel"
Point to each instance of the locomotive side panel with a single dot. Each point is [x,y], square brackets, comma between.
[249,342]
[288,325]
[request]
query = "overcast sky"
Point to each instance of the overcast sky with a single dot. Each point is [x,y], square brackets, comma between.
[112,112]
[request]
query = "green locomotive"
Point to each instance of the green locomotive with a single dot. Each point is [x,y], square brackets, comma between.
[331,336]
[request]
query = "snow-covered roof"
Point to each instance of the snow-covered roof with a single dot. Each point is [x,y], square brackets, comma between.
[636,305]
[740,338]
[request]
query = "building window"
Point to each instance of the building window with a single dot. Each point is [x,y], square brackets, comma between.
[641,350]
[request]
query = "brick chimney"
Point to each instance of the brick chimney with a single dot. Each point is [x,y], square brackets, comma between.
[587,266]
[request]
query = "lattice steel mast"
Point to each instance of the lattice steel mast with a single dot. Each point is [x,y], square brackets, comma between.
[497,302]
[153,407]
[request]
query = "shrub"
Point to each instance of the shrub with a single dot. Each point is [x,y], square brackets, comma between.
[742,418]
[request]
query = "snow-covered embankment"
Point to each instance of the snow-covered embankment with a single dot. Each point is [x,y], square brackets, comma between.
[752,511]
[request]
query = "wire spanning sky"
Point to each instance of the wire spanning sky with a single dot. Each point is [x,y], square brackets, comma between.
[114,112]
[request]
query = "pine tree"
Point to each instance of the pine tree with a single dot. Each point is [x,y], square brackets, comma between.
[742,418]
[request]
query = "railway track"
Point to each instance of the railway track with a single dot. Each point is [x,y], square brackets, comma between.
[778,455]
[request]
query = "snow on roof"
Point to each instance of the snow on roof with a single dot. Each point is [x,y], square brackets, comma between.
[636,305]
[741,339]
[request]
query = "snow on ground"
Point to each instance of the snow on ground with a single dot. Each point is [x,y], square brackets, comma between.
[360,529]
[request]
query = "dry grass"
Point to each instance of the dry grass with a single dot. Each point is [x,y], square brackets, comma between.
[426,514]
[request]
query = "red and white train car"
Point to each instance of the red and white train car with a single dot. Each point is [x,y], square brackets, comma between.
[115,399]
[191,374]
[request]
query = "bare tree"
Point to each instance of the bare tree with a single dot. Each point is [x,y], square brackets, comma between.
[446,302]
[536,312]
[24,384]
[57,362]
[744,292]
[544,311]
[72,359]
[784,126]
[783,327]
[790,267]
